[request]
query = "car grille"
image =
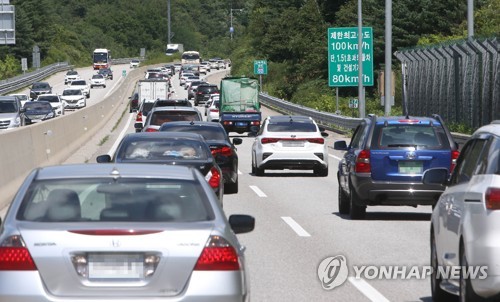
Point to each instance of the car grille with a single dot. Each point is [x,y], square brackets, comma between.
[4,124]
[71,101]
[36,117]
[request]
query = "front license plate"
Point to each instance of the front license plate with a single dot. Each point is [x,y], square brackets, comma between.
[410,167]
[116,266]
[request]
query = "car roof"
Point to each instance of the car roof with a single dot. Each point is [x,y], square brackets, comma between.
[173,135]
[493,127]
[406,120]
[172,108]
[193,124]
[284,118]
[92,170]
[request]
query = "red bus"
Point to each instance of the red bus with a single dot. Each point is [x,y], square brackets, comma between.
[101,58]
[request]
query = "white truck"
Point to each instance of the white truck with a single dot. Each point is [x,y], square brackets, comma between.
[174,48]
[151,90]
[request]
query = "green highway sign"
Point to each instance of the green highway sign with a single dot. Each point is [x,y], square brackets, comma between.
[260,67]
[343,68]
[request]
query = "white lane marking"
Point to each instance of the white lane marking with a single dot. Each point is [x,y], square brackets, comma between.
[336,157]
[122,134]
[258,191]
[369,291]
[296,227]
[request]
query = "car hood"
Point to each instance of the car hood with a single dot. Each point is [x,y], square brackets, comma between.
[72,97]
[9,115]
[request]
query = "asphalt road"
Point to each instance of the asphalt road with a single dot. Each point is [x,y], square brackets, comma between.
[298,226]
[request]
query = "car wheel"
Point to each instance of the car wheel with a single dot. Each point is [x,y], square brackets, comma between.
[91,86]
[196,103]
[231,188]
[104,86]
[438,294]
[466,291]
[343,201]
[88,95]
[355,211]
[321,171]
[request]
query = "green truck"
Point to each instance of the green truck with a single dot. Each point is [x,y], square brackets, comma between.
[239,107]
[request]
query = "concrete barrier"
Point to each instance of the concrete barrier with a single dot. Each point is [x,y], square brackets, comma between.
[52,142]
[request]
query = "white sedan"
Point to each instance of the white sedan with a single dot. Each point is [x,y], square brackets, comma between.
[98,80]
[74,98]
[290,142]
[82,85]
[212,109]
[465,223]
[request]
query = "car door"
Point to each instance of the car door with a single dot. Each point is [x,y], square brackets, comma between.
[452,205]
[348,163]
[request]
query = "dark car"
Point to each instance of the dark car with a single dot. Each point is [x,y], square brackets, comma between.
[385,161]
[203,93]
[191,88]
[222,147]
[172,103]
[134,102]
[39,88]
[159,115]
[38,111]
[106,72]
[169,148]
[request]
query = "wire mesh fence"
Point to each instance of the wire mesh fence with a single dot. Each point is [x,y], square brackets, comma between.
[460,82]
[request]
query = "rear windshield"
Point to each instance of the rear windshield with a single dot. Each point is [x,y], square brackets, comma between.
[288,126]
[160,117]
[209,133]
[409,135]
[162,150]
[208,89]
[129,200]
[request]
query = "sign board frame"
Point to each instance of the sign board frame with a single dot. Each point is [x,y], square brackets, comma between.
[343,63]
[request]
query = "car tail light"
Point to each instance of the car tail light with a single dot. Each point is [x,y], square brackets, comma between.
[492,198]
[139,117]
[269,140]
[218,255]
[454,157]
[14,256]
[255,123]
[213,178]
[363,162]
[149,129]
[227,123]
[214,110]
[317,140]
[225,151]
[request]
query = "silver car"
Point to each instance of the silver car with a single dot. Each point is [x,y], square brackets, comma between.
[465,228]
[120,232]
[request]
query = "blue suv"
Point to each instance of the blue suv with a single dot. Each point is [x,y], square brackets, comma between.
[385,161]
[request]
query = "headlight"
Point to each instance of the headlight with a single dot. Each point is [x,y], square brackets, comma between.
[50,115]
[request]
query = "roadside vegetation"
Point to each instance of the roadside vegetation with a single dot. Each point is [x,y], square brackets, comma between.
[289,34]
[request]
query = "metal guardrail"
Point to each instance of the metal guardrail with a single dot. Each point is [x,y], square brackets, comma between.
[332,122]
[18,82]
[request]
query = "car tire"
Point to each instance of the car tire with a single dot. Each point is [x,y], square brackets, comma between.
[88,95]
[231,187]
[323,172]
[356,212]
[104,86]
[438,294]
[466,291]
[343,202]
[196,103]
[91,86]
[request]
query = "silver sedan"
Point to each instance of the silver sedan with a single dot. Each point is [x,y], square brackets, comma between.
[465,229]
[120,232]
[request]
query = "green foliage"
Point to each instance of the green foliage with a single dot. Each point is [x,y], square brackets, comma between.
[9,67]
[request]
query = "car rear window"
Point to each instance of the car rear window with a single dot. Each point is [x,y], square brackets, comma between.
[409,135]
[122,199]
[291,127]
[208,89]
[162,150]
[209,133]
[160,117]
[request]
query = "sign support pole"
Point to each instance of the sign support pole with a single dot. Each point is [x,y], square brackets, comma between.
[361,92]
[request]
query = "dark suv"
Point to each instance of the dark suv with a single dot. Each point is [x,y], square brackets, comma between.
[384,163]
[134,102]
[40,88]
[203,93]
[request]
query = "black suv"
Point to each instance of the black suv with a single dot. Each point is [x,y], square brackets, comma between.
[106,72]
[385,161]
[203,93]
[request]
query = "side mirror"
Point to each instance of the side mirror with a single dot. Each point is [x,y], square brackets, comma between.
[340,145]
[103,158]
[241,223]
[324,134]
[237,141]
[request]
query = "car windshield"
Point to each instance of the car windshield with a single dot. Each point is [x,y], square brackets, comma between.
[209,133]
[97,76]
[288,126]
[78,83]
[160,117]
[48,98]
[72,72]
[102,199]
[72,92]
[8,107]
[161,149]
[37,106]
[41,86]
